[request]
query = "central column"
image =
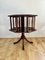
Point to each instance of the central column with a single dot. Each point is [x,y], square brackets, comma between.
[22,23]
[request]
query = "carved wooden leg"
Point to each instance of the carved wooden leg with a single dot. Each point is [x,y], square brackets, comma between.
[17,41]
[28,40]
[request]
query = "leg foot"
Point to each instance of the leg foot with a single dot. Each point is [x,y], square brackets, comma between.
[17,41]
[28,40]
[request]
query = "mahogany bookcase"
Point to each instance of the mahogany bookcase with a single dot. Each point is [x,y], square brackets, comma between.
[22,23]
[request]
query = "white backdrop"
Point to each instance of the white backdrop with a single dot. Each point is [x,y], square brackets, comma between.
[21,6]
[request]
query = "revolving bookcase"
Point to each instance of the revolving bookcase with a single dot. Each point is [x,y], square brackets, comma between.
[22,23]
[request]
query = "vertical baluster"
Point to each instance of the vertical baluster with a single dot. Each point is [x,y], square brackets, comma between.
[27,24]
[13,22]
[24,24]
[19,23]
[27,21]
[34,22]
[16,23]
[10,24]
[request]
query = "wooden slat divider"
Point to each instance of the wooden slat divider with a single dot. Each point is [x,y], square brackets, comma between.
[27,24]
[16,20]
[10,24]
[34,22]
[13,22]
[19,21]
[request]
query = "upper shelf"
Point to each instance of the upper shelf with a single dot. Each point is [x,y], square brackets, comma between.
[25,15]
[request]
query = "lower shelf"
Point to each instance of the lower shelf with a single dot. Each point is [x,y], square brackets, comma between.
[26,30]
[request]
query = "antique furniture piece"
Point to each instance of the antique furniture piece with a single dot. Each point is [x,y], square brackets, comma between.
[22,23]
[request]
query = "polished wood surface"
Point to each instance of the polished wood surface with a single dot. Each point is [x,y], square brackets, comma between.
[35,51]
